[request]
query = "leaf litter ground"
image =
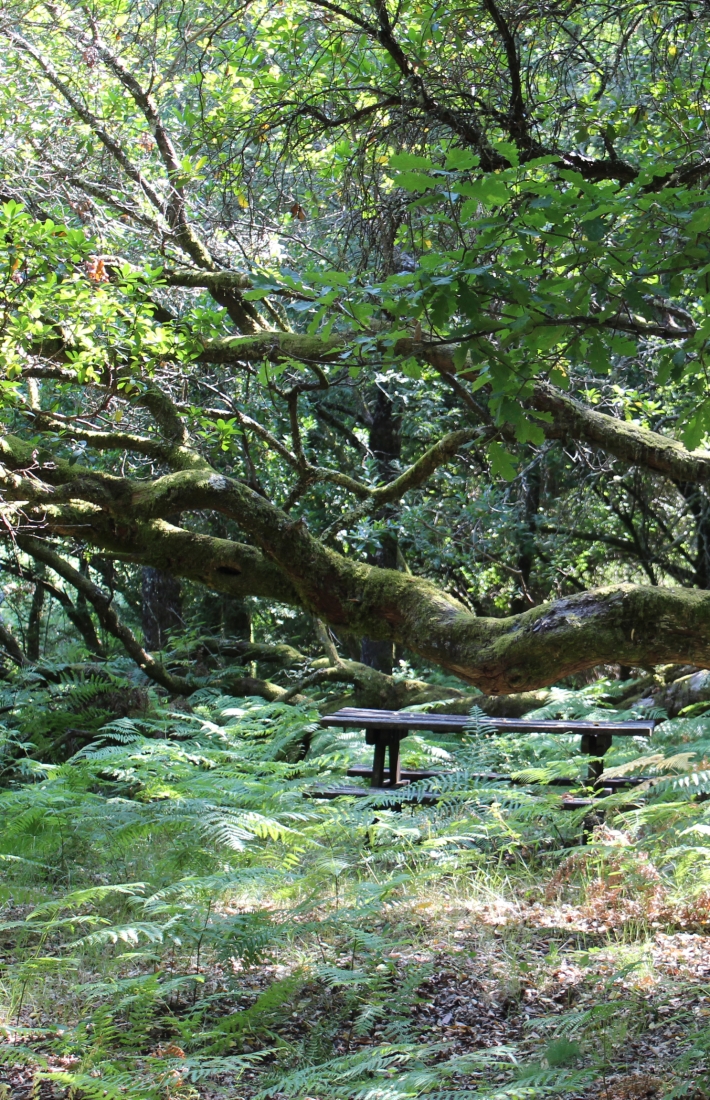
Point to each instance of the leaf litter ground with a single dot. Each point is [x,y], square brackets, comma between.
[493,973]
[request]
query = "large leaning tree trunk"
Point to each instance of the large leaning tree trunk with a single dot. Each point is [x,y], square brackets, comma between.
[284,561]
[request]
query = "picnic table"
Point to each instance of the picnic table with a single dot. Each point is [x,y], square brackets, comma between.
[384,729]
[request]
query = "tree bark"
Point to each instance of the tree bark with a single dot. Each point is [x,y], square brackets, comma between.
[78,615]
[12,647]
[34,624]
[682,693]
[622,623]
[161,607]
[385,440]
[530,493]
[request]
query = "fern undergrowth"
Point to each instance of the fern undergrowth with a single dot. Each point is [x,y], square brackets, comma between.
[181,919]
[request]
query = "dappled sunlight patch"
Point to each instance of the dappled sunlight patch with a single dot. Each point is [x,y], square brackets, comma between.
[682,955]
[635,1086]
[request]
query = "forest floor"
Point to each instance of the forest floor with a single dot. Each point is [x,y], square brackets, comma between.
[628,997]
[558,984]
[177,922]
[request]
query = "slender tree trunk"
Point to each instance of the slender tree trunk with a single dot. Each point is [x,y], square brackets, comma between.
[161,608]
[34,625]
[700,508]
[80,615]
[229,616]
[82,607]
[526,556]
[386,446]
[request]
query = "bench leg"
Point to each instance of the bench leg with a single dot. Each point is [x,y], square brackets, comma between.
[395,777]
[595,744]
[385,741]
[378,764]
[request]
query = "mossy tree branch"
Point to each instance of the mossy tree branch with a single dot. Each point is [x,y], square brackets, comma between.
[571,420]
[12,647]
[627,623]
[286,562]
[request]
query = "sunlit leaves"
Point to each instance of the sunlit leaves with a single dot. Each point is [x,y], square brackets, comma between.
[57,298]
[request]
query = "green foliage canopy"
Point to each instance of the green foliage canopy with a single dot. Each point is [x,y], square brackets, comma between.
[226,229]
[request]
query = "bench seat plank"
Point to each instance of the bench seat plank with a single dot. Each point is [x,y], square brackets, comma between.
[358,718]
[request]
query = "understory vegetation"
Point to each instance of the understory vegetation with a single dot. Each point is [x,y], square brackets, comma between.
[354,353]
[180,919]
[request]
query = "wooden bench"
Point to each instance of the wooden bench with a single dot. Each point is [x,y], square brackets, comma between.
[384,729]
